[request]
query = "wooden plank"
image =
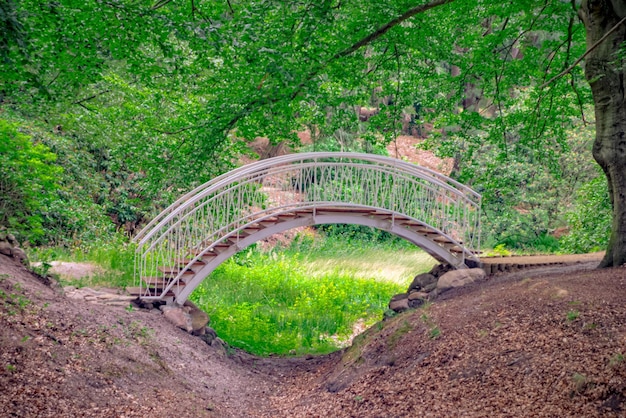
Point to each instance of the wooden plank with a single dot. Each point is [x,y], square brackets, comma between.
[443,240]
[343,210]
[159,282]
[139,292]
[173,270]
[185,261]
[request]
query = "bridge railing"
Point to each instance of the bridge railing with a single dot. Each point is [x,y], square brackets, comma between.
[235,200]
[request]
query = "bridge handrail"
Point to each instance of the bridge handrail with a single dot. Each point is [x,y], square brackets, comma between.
[260,165]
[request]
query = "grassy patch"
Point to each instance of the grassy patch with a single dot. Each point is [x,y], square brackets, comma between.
[273,303]
[572,315]
[116,261]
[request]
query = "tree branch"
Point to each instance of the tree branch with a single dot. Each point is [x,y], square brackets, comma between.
[385,28]
[78,102]
[582,57]
[160,4]
[370,38]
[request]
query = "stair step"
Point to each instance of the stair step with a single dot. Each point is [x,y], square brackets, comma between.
[269,221]
[343,210]
[288,215]
[159,282]
[205,254]
[380,215]
[304,211]
[185,261]
[413,223]
[221,247]
[443,240]
[426,231]
[168,270]
[143,292]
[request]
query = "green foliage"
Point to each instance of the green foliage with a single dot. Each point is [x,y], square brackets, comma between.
[356,235]
[499,251]
[270,304]
[28,177]
[589,219]
[149,99]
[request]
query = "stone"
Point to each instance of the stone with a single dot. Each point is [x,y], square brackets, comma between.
[199,318]
[440,269]
[177,316]
[12,240]
[458,278]
[418,295]
[20,255]
[209,335]
[430,287]
[399,303]
[219,344]
[6,248]
[422,280]
[416,303]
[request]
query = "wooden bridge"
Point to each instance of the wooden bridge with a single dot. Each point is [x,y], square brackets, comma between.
[202,229]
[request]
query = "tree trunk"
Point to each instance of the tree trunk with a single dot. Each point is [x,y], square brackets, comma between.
[605,71]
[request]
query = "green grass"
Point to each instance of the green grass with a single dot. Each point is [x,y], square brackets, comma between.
[302,299]
[116,261]
[299,302]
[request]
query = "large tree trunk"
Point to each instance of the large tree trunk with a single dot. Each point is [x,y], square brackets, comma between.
[605,71]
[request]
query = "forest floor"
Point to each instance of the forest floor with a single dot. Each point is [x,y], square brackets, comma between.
[548,341]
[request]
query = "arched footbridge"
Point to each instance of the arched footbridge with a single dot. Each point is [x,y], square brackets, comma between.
[202,229]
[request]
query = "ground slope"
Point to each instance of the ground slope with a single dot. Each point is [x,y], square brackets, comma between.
[547,342]
[547,345]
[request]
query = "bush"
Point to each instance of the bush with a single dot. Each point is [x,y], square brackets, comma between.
[28,177]
[590,218]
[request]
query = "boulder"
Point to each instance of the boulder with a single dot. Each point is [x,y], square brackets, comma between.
[429,288]
[20,255]
[416,303]
[418,295]
[199,319]
[178,316]
[440,269]
[12,240]
[417,299]
[458,278]
[219,344]
[6,248]
[399,303]
[421,281]
[209,335]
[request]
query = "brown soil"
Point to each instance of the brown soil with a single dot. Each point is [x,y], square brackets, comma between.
[547,342]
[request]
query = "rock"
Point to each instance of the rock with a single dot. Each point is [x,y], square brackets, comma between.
[199,319]
[418,295]
[417,299]
[440,269]
[458,278]
[416,303]
[430,287]
[399,303]
[219,344]
[20,255]
[177,316]
[6,248]
[422,280]
[12,240]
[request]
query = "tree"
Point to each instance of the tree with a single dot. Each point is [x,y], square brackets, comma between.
[605,70]
[174,89]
